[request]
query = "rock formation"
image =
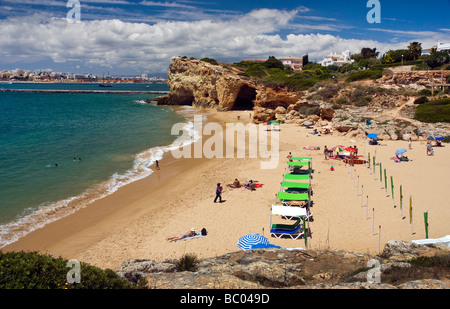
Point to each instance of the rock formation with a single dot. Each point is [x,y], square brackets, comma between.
[387,102]
[201,84]
[299,269]
[418,78]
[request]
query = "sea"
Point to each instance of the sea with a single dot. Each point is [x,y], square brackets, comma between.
[59,152]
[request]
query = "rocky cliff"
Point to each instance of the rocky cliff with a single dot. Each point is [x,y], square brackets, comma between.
[402,265]
[202,84]
[387,102]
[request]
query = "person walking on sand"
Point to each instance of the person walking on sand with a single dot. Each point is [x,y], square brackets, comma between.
[325,153]
[430,150]
[157,164]
[218,193]
[289,157]
[410,143]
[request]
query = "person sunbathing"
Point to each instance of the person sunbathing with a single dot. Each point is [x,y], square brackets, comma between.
[251,186]
[191,233]
[235,184]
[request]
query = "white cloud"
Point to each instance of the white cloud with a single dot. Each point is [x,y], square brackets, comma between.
[142,47]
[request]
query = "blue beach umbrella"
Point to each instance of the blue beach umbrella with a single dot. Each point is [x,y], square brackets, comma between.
[308,123]
[246,242]
[400,151]
[372,135]
[439,138]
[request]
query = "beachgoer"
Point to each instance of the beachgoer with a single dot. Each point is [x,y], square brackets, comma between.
[218,193]
[56,164]
[251,185]
[356,150]
[191,233]
[296,170]
[157,164]
[430,150]
[332,168]
[410,143]
[325,153]
[235,184]
[289,157]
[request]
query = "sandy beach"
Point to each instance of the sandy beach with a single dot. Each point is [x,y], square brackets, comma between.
[134,222]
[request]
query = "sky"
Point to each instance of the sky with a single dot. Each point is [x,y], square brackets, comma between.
[126,37]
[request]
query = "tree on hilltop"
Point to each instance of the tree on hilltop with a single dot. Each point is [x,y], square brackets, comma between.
[415,49]
[273,62]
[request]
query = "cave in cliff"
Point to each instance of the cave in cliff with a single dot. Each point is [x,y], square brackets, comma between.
[245,98]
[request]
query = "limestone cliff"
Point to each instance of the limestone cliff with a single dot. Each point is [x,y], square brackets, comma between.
[387,102]
[201,84]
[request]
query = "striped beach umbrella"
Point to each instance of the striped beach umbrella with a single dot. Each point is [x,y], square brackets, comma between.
[338,148]
[246,242]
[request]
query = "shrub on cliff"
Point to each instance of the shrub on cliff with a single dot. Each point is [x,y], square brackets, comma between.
[365,74]
[274,63]
[19,270]
[209,60]
[434,111]
[421,100]
[256,70]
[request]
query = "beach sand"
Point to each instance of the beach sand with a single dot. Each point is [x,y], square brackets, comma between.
[135,221]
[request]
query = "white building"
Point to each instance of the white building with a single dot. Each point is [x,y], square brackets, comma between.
[439,47]
[336,59]
[296,64]
[443,46]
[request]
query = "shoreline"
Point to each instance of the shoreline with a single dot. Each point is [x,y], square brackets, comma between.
[142,167]
[134,222]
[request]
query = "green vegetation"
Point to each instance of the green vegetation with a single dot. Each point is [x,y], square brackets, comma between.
[434,111]
[19,270]
[421,100]
[366,74]
[425,92]
[209,60]
[274,74]
[435,267]
[367,65]
[187,262]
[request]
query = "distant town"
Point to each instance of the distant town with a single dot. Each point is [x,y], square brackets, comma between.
[47,75]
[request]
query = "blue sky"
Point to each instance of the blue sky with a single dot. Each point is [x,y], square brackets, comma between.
[135,37]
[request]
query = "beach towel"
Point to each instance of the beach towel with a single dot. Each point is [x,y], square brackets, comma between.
[311,148]
[192,237]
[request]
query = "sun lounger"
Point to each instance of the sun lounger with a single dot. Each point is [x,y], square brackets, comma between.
[297,164]
[297,177]
[294,234]
[301,158]
[290,213]
[287,227]
[298,187]
[286,197]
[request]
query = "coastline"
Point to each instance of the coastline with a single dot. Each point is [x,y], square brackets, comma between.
[134,222]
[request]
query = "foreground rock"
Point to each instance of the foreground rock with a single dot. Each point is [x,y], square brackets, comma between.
[294,269]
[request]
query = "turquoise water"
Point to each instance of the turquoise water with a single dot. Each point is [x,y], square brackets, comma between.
[59,152]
